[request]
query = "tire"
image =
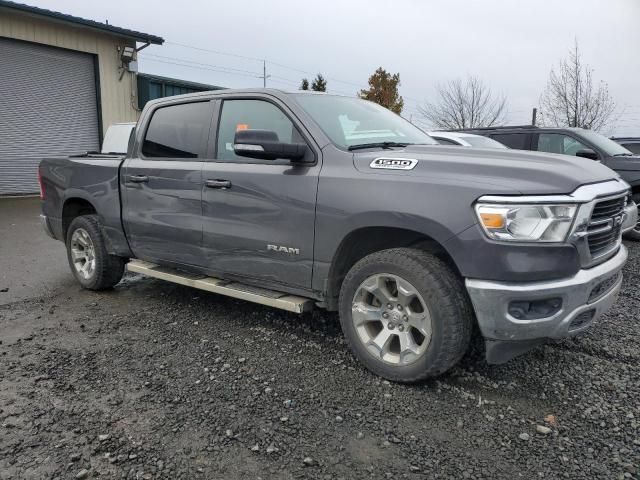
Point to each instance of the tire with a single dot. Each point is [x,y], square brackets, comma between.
[635,233]
[98,270]
[439,293]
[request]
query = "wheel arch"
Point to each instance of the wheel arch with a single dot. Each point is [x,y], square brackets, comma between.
[363,241]
[74,207]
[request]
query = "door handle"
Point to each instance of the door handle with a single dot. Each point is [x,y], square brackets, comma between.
[138,179]
[222,184]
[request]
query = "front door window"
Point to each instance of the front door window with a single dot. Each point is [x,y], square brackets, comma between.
[559,143]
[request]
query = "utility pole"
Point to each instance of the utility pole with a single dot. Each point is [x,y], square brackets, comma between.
[264,74]
[534,114]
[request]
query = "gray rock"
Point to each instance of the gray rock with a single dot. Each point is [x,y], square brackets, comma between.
[524,436]
[543,430]
[271,448]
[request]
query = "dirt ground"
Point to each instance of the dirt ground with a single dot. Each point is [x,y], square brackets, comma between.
[154,380]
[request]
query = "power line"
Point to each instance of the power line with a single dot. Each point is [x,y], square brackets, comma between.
[218,52]
[146,55]
[218,69]
[277,64]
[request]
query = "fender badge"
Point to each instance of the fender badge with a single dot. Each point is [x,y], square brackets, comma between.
[394,163]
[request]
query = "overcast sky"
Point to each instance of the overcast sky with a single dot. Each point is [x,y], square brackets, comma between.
[509,44]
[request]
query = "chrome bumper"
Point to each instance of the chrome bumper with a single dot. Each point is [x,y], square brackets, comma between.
[630,217]
[44,221]
[491,300]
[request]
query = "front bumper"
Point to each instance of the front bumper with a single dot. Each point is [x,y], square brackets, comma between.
[585,297]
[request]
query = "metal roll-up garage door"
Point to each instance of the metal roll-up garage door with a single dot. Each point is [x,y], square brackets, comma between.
[48,107]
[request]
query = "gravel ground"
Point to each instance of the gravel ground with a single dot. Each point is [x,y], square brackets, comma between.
[153,380]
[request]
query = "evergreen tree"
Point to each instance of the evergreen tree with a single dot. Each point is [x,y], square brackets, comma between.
[319,84]
[383,90]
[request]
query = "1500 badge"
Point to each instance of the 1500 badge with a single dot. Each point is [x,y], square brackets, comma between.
[394,163]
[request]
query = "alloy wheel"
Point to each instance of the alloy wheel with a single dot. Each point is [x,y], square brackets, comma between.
[392,319]
[83,253]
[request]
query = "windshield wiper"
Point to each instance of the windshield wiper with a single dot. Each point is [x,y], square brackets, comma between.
[623,155]
[377,145]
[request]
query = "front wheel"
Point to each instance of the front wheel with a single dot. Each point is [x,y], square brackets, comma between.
[405,314]
[635,233]
[89,260]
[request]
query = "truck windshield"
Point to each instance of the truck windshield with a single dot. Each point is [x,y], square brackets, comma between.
[351,121]
[609,147]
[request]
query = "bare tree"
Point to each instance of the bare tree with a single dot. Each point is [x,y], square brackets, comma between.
[465,103]
[573,99]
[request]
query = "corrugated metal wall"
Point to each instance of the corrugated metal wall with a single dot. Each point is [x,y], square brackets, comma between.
[117,95]
[48,107]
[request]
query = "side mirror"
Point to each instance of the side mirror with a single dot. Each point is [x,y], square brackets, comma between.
[265,145]
[587,153]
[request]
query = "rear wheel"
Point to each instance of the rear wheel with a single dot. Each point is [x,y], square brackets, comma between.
[405,314]
[88,258]
[635,233]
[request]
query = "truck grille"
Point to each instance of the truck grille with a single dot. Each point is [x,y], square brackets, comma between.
[605,225]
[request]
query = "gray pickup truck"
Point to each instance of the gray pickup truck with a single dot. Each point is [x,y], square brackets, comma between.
[302,200]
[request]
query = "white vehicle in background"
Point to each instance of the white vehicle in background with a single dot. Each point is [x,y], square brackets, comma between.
[116,140]
[465,140]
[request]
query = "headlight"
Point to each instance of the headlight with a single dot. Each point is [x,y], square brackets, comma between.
[526,223]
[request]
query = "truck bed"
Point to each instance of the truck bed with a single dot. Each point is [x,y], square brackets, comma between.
[91,178]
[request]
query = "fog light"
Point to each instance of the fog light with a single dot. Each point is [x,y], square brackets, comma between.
[534,309]
[582,319]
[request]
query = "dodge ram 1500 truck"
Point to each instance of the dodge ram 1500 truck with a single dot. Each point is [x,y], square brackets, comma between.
[297,200]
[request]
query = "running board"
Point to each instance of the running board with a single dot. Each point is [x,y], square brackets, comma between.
[284,301]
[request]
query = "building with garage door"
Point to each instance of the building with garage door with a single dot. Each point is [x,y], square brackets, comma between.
[63,81]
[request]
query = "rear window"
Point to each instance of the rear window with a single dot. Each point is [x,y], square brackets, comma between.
[632,147]
[445,141]
[483,142]
[178,131]
[519,141]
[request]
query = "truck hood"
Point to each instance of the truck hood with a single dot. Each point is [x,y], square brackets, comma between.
[517,171]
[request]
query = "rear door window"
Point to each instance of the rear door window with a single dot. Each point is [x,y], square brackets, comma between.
[178,131]
[519,141]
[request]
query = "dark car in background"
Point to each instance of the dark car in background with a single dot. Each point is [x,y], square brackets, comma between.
[630,143]
[577,142]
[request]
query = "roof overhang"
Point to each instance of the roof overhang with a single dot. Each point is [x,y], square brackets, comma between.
[81,22]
